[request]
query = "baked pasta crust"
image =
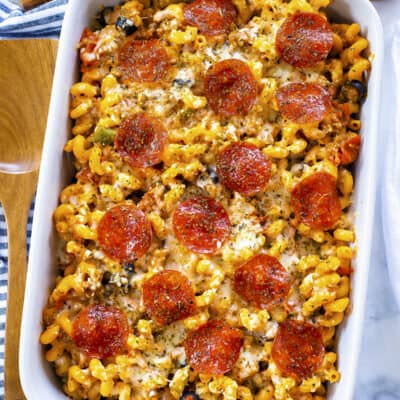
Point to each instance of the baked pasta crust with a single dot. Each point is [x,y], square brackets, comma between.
[155,130]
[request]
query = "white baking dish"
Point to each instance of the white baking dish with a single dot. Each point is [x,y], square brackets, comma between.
[37,378]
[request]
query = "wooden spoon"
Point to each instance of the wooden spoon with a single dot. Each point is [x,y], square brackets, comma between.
[28,4]
[26,70]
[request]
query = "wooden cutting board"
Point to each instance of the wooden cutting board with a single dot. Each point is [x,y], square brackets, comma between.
[28,4]
[26,72]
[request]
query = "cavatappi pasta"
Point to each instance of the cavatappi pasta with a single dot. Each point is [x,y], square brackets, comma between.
[207,242]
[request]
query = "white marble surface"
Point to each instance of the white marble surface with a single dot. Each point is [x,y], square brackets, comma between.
[379,363]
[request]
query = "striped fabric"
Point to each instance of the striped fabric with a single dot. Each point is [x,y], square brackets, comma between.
[42,21]
[3,293]
[3,285]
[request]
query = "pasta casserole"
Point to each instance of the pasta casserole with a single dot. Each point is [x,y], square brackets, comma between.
[206,241]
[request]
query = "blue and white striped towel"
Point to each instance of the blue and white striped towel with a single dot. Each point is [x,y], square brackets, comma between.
[3,284]
[42,21]
[3,295]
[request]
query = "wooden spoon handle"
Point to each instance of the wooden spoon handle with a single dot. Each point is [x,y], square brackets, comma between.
[28,4]
[16,205]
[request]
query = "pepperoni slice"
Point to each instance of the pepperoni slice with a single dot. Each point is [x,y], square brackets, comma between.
[144,60]
[315,201]
[262,281]
[303,102]
[213,348]
[212,17]
[230,88]
[124,233]
[242,167]
[140,140]
[201,224]
[304,39]
[168,296]
[100,331]
[349,149]
[298,349]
